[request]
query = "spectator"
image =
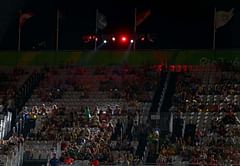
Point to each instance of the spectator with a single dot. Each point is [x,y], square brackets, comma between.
[54,161]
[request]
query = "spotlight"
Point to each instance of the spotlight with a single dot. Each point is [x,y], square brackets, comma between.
[113,38]
[131,41]
[124,39]
[104,41]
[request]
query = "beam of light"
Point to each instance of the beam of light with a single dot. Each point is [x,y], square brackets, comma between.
[101,45]
[127,53]
[91,54]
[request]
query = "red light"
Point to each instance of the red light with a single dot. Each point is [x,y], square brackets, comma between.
[124,38]
[172,68]
[142,38]
[179,68]
[185,68]
[159,68]
[190,68]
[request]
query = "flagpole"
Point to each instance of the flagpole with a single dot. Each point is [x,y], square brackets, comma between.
[214,30]
[96,30]
[57,31]
[135,30]
[19,32]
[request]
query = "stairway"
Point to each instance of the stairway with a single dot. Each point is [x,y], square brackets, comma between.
[169,86]
[154,108]
[167,101]
[166,104]
[157,95]
[24,94]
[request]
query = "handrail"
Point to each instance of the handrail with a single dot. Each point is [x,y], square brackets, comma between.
[164,91]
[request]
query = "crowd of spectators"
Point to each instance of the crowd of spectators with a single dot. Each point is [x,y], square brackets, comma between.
[218,144]
[108,133]
[10,82]
[104,124]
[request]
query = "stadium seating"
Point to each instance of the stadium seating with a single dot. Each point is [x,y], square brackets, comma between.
[114,94]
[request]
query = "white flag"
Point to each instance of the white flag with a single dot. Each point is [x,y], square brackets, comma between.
[101,21]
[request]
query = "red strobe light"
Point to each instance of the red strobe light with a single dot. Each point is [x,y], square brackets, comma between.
[124,39]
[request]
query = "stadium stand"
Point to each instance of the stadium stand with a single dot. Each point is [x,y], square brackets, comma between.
[205,114]
[94,114]
[109,116]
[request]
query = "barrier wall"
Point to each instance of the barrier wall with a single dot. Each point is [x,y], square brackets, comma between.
[38,58]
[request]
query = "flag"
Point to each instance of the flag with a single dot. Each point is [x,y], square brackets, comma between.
[24,17]
[101,21]
[223,17]
[142,16]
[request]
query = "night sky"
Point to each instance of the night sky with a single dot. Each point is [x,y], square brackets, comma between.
[174,25]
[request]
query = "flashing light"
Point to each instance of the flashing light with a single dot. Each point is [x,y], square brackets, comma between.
[124,39]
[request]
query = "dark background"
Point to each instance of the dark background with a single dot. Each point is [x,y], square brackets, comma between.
[175,24]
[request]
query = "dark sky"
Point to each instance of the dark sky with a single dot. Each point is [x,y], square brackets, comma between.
[174,24]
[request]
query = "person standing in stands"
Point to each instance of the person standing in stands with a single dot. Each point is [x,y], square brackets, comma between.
[119,128]
[95,162]
[54,161]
